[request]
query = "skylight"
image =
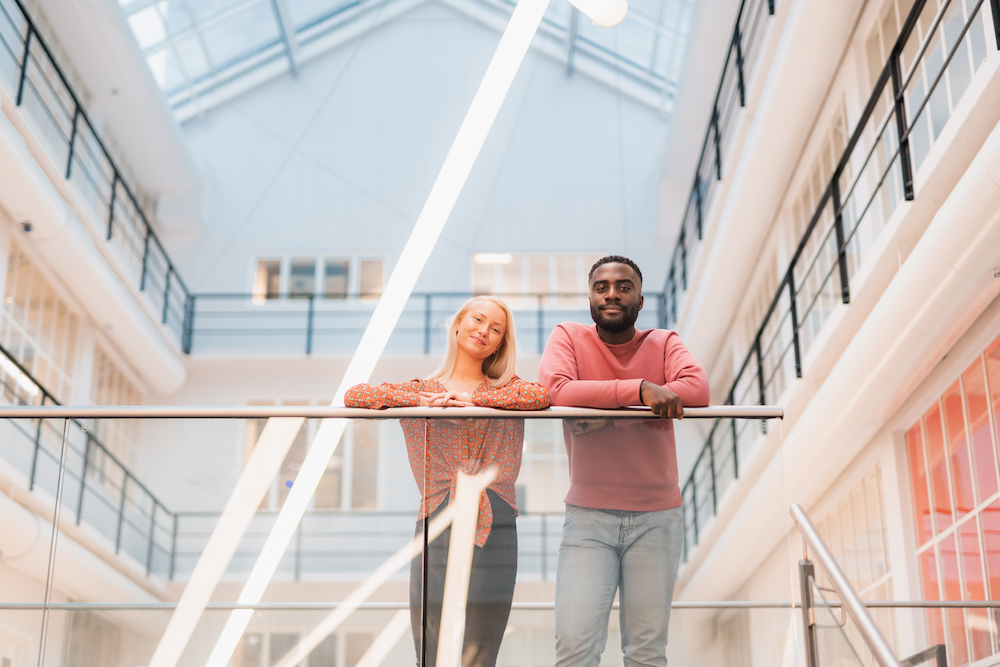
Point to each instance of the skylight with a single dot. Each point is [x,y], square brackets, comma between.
[196,46]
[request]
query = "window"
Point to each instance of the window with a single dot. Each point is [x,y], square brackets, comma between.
[267,280]
[301,277]
[969,56]
[371,279]
[952,455]
[351,478]
[335,282]
[110,386]
[521,277]
[854,531]
[38,330]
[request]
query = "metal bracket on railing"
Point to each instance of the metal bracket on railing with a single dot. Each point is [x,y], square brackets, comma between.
[937,653]
[850,601]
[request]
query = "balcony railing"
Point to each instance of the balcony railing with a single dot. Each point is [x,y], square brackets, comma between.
[101,492]
[315,324]
[914,96]
[737,76]
[39,86]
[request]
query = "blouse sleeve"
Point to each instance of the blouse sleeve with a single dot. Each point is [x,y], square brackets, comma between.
[385,395]
[515,395]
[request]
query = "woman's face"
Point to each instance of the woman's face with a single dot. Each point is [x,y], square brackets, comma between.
[481,329]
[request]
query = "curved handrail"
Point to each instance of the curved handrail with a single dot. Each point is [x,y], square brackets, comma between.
[849,598]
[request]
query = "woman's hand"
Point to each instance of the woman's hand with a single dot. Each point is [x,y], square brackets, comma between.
[445,399]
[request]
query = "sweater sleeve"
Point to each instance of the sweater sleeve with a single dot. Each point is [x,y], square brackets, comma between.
[385,395]
[515,395]
[559,374]
[685,376]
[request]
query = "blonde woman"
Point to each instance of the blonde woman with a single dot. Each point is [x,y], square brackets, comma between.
[478,369]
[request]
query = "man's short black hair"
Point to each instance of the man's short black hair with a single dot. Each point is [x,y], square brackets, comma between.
[614,259]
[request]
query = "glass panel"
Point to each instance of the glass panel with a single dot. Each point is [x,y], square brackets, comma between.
[335,283]
[974,589]
[957,443]
[918,483]
[833,648]
[983,452]
[941,496]
[267,280]
[371,278]
[992,357]
[302,278]
[958,644]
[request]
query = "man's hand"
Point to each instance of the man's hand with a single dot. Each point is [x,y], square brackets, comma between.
[664,403]
[582,426]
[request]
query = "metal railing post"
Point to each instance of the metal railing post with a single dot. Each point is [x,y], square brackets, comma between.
[684,260]
[737,43]
[718,142]
[807,572]
[152,532]
[711,464]
[121,515]
[83,480]
[698,203]
[114,200]
[187,334]
[24,64]
[173,549]
[541,325]
[34,458]
[736,452]
[427,324]
[794,311]
[72,141]
[995,6]
[760,369]
[905,163]
[694,501]
[309,328]
[145,261]
[166,293]
[838,224]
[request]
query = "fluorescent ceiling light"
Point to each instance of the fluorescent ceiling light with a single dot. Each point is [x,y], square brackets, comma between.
[444,193]
[370,585]
[492,258]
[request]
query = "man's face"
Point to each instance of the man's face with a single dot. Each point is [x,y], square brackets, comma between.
[615,297]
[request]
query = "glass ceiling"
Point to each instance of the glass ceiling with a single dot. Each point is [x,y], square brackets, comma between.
[194,45]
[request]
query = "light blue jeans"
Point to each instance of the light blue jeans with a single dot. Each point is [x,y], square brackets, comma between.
[603,551]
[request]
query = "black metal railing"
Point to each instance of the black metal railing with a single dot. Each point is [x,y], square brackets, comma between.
[100,491]
[730,96]
[347,541]
[293,324]
[28,68]
[874,173]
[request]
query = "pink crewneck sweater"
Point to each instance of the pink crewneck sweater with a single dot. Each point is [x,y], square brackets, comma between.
[628,464]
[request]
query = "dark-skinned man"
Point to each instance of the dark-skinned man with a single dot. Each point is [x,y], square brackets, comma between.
[624,525]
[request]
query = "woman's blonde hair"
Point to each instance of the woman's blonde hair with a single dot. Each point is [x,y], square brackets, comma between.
[499,366]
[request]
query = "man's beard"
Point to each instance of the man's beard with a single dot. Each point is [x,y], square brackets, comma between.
[627,319]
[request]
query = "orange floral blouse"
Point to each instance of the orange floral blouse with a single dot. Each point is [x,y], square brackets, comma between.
[469,445]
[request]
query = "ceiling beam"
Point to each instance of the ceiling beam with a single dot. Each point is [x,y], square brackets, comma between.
[286,28]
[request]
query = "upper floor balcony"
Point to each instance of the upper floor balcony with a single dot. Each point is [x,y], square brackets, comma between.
[899,123]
